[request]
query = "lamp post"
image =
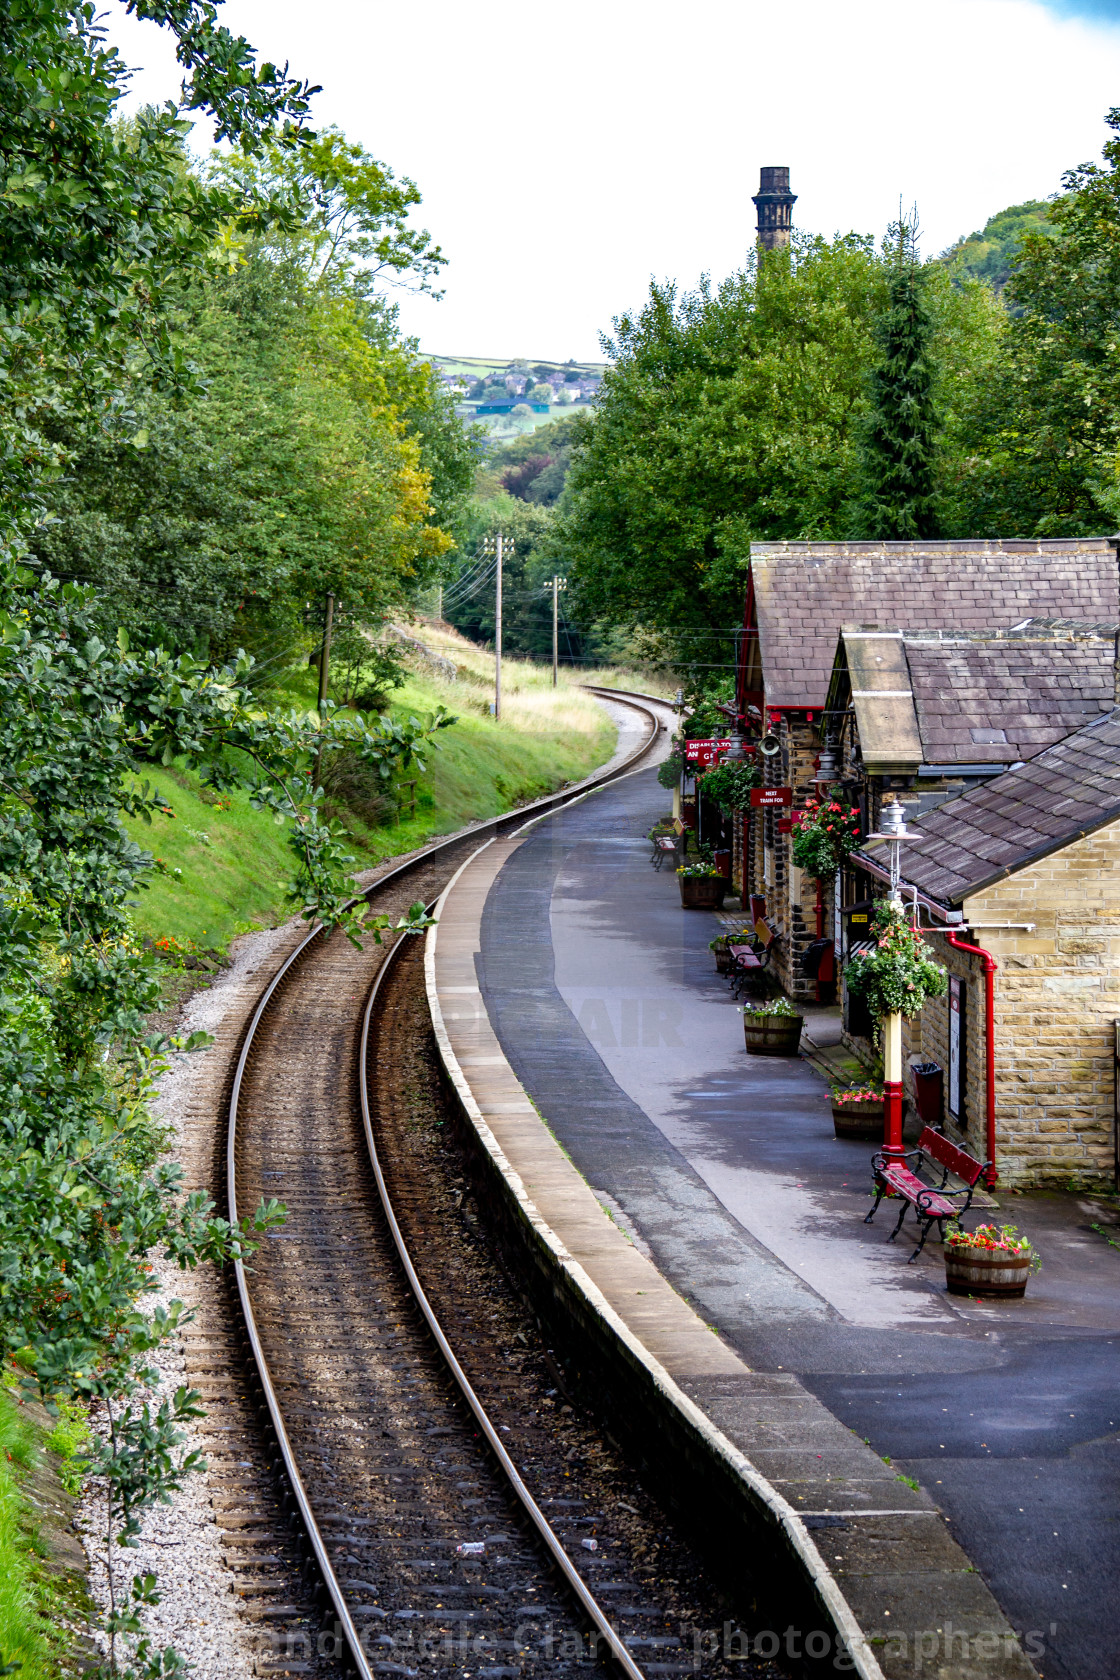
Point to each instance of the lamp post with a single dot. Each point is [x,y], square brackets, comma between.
[892,826]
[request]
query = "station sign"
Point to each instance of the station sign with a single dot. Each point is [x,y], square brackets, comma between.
[702,753]
[767,797]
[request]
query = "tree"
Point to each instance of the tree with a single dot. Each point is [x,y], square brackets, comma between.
[898,454]
[727,414]
[350,215]
[1043,439]
[992,253]
[94,219]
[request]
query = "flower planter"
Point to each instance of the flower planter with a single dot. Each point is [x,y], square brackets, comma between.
[860,1120]
[978,1271]
[772,1035]
[702,892]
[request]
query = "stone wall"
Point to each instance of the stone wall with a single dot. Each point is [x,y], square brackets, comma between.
[1057,1001]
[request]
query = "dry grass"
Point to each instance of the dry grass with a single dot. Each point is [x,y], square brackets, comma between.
[530,704]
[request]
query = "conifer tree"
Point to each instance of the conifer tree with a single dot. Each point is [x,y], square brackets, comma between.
[899,445]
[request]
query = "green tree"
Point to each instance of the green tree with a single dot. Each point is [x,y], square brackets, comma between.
[898,453]
[992,253]
[1041,444]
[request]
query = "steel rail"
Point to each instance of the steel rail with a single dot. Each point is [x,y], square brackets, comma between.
[540,1522]
[295,1481]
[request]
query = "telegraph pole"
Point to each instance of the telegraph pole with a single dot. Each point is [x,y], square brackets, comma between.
[558,583]
[324,678]
[496,545]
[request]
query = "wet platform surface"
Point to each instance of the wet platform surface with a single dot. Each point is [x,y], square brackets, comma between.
[724,1169]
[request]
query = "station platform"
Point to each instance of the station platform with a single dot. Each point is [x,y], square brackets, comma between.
[600,1010]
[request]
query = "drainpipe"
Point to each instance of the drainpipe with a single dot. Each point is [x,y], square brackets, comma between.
[990,966]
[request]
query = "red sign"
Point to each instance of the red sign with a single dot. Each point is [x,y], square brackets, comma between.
[785,825]
[702,753]
[771,796]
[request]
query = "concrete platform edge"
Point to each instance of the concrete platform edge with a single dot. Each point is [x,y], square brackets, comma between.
[758,1496]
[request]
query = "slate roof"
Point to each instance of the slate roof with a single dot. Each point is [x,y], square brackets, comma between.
[805,592]
[998,701]
[1066,791]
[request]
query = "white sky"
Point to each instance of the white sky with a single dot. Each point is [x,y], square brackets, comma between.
[566,154]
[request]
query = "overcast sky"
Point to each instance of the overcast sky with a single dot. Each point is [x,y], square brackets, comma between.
[568,153]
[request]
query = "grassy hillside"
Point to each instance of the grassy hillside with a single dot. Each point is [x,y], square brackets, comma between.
[235,862]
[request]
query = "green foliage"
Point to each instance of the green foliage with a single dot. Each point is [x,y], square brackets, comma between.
[670,769]
[526,573]
[899,434]
[353,222]
[823,835]
[96,219]
[991,254]
[535,467]
[899,975]
[728,785]
[728,414]
[1044,440]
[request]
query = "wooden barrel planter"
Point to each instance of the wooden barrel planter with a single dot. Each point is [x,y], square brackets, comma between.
[772,1035]
[702,892]
[862,1121]
[723,959]
[978,1271]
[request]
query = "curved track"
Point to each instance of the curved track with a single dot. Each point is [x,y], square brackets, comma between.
[434,1550]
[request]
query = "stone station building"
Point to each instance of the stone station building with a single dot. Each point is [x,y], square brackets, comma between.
[800,597]
[1027,867]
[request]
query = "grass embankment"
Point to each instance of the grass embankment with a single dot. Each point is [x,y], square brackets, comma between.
[40,1607]
[235,861]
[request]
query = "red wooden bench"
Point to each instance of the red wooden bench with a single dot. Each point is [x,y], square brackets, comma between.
[933,1203]
[749,960]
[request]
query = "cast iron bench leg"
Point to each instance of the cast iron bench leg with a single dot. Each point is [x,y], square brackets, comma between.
[901,1217]
[875,1209]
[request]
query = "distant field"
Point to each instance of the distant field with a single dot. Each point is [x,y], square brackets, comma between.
[479,365]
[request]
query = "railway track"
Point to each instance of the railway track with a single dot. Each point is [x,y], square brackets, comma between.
[437,1487]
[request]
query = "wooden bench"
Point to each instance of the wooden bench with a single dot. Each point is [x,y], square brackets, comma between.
[932,1203]
[664,845]
[749,960]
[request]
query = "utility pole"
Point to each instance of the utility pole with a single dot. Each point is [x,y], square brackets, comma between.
[496,546]
[439,606]
[324,678]
[558,583]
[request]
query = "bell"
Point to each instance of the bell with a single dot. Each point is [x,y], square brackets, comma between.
[769,745]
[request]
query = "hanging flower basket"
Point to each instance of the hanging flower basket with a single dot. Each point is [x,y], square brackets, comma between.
[993,1260]
[823,835]
[899,974]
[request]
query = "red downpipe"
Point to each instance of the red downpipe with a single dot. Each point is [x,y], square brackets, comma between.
[990,966]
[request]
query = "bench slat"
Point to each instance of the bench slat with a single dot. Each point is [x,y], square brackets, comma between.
[946,1153]
[908,1184]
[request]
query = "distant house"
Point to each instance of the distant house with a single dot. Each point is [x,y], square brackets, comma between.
[508,407]
[1027,868]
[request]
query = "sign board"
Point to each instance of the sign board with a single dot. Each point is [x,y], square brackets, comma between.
[702,753]
[767,797]
[957,994]
[785,825]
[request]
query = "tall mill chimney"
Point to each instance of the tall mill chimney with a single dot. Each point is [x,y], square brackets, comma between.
[774,203]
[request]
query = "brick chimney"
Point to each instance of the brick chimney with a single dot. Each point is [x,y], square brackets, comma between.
[774,203]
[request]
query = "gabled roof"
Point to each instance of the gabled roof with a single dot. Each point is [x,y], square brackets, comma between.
[804,592]
[1063,793]
[991,697]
